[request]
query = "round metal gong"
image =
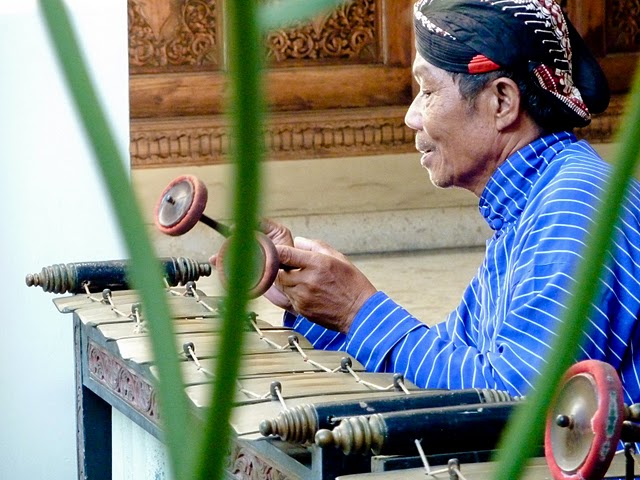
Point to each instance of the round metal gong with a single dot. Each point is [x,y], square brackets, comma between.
[181,205]
[584,423]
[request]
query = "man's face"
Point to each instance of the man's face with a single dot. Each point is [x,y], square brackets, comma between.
[457,140]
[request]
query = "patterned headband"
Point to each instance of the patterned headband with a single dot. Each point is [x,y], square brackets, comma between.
[477,36]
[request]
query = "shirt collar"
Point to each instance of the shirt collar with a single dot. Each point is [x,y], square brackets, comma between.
[507,191]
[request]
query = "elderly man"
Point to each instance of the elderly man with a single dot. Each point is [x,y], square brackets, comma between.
[501,85]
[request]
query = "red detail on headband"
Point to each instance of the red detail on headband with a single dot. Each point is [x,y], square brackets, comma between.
[481,64]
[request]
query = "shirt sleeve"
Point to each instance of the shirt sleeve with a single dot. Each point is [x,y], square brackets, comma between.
[320,338]
[385,337]
[505,354]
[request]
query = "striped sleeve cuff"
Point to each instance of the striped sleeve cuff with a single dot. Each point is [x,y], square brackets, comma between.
[377,328]
[320,337]
[289,319]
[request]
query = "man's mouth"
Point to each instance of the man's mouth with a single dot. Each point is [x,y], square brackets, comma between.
[422,145]
[424,159]
[426,149]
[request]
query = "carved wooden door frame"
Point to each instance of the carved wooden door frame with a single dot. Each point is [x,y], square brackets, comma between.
[338,86]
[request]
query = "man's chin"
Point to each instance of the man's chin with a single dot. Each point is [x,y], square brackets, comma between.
[437,181]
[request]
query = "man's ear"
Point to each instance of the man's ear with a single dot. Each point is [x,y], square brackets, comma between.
[506,102]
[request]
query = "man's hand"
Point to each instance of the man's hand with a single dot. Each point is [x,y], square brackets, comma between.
[322,284]
[279,235]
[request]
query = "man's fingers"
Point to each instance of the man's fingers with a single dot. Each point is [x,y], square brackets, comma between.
[313,245]
[318,246]
[279,234]
[277,297]
[267,225]
[292,257]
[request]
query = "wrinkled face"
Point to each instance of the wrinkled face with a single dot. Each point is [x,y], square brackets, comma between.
[457,140]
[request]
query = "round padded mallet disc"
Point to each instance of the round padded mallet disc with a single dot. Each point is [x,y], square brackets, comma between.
[181,205]
[265,267]
[584,423]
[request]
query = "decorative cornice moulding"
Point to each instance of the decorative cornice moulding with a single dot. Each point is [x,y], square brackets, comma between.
[205,140]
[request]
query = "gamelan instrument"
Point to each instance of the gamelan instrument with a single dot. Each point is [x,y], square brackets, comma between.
[91,277]
[181,206]
[302,423]
[306,414]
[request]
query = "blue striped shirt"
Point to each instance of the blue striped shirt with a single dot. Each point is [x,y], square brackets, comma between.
[540,204]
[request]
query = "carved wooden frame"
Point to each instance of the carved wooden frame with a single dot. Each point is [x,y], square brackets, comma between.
[338,86]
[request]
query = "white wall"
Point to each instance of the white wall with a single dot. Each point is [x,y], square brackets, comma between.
[54,210]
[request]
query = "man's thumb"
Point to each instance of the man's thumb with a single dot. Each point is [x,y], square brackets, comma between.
[290,256]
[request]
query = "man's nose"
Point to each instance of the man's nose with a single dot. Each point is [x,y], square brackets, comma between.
[413,117]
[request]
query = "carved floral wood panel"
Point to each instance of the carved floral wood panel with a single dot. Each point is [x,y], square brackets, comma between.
[623,26]
[350,32]
[172,35]
[179,35]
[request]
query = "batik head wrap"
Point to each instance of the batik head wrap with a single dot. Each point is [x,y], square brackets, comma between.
[528,36]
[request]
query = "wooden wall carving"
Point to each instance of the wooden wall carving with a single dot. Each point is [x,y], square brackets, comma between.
[623,26]
[349,32]
[610,28]
[180,35]
[171,35]
[336,86]
[206,141]
[178,83]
